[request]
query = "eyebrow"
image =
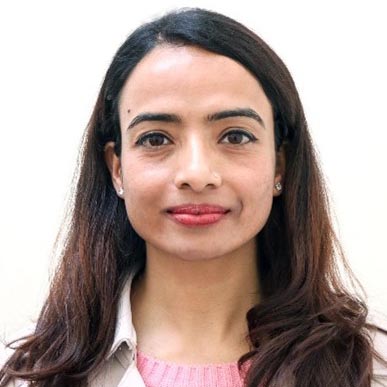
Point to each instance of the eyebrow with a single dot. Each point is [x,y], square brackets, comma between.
[173,118]
[242,112]
[161,117]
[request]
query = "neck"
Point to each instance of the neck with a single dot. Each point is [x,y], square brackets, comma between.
[200,304]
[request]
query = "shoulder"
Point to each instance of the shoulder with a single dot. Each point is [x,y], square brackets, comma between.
[379,338]
[5,354]
[380,344]
[7,351]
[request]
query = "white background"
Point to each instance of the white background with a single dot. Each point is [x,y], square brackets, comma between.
[53,56]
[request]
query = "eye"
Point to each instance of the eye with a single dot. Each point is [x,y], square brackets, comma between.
[238,137]
[153,140]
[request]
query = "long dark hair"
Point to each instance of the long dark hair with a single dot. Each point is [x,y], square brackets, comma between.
[308,330]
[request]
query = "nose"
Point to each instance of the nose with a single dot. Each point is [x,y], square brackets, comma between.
[196,167]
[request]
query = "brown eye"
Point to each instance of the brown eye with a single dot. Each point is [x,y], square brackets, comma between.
[153,140]
[238,137]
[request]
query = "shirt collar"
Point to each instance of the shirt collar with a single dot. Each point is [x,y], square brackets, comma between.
[124,331]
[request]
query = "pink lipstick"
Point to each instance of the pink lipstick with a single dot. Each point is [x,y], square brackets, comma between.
[197,214]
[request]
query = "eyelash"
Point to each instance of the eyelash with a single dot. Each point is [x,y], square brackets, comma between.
[147,136]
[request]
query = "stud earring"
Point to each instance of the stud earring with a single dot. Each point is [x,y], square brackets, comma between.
[121,191]
[278,186]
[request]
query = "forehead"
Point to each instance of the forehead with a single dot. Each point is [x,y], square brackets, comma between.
[191,78]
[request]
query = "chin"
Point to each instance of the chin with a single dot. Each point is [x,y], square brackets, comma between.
[201,254]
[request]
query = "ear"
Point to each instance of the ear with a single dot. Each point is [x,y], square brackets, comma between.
[280,168]
[113,163]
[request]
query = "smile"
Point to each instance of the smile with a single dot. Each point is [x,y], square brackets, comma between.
[197,214]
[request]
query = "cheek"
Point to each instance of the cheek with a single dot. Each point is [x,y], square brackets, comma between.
[256,192]
[142,185]
[256,176]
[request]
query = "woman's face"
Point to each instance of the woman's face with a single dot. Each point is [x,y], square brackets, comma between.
[198,162]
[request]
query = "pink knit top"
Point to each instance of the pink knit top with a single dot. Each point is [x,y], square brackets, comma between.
[158,373]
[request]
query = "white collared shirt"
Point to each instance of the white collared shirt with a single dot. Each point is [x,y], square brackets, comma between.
[120,368]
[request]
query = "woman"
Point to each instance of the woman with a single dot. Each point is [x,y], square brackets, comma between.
[200,236]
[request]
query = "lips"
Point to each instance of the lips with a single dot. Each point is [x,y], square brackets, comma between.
[197,214]
[197,209]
